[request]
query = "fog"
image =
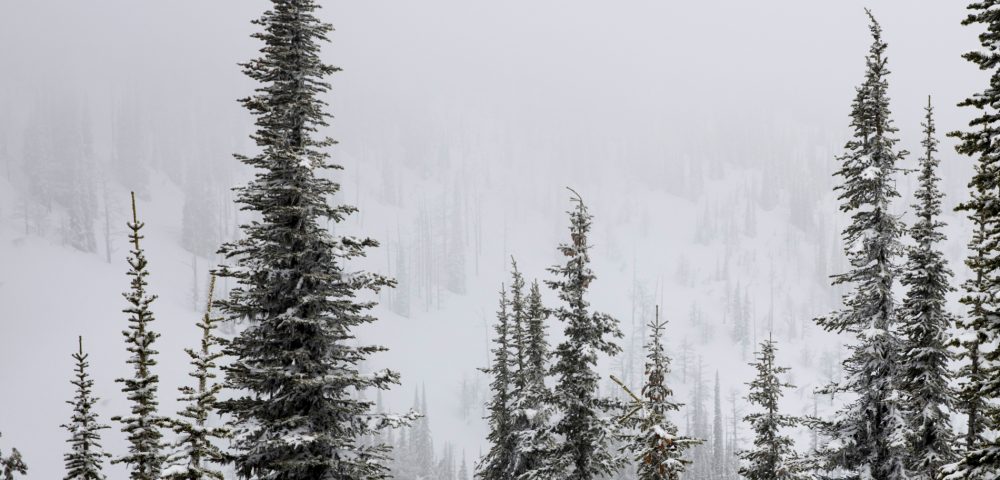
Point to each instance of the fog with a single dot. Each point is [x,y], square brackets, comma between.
[702,135]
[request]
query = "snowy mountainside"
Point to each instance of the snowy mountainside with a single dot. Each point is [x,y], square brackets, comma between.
[728,261]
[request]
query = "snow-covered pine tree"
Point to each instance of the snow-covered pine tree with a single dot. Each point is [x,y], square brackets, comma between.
[657,448]
[718,437]
[530,407]
[971,338]
[584,452]
[295,369]
[144,426]
[445,469]
[700,455]
[85,460]
[925,322]
[12,464]
[980,377]
[421,440]
[195,452]
[517,326]
[868,435]
[497,463]
[773,455]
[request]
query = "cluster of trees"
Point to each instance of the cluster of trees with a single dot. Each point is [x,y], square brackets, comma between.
[897,423]
[69,186]
[296,387]
[571,431]
[566,431]
[414,455]
[899,381]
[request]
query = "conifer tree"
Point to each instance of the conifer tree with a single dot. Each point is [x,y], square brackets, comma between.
[518,324]
[773,456]
[144,426]
[657,448]
[718,437]
[700,455]
[195,451]
[925,323]
[421,440]
[85,460]
[463,470]
[980,383]
[531,410]
[295,369]
[12,464]
[584,453]
[869,434]
[496,464]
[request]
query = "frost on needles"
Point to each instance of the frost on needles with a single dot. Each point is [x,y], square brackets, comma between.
[295,371]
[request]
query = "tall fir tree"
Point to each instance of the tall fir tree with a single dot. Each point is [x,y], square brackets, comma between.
[584,452]
[295,369]
[530,405]
[868,435]
[654,442]
[144,426]
[85,460]
[196,455]
[773,455]
[496,464]
[925,323]
[980,351]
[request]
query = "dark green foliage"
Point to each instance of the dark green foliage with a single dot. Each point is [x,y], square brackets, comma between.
[584,453]
[296,366]
[979,350]
[654,442]
[925,322]
[531,406]
[195,450]
[496,464]
[85,460]
[144,426]
[773,455]
[868,434]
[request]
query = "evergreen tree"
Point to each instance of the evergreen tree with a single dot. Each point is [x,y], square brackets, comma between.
[657,448]
[700,455]
[195,450]
[584,452]
[869,434]
[12,464]
[463,470]
[496,464]
[144,427]
[718,437]
[531,410]
[445,469]
[980,384]
[85,460]
[518,324]
[925,323]
[421,440]
[295,369]
[773,456]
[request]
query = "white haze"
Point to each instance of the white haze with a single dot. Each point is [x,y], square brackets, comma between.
[670,118]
